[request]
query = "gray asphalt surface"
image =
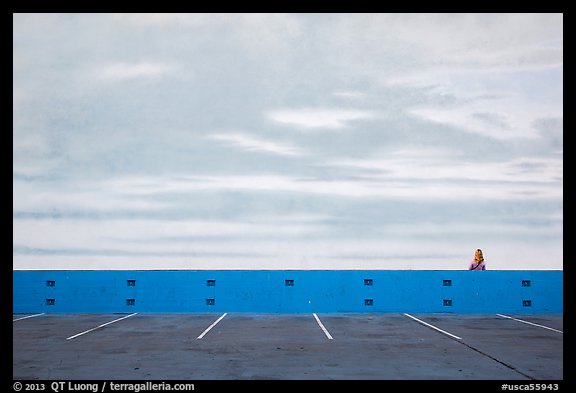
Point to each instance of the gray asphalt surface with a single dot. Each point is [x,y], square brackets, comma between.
[236,346]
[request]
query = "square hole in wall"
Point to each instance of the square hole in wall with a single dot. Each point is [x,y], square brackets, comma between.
[446,283]
[50,283]
[368,302]
[526,303]
[50,302]
[210,302]
[289,283]
[526,283]
[211,283]
[130,302]
[368,282]
[447,302]
[131,283]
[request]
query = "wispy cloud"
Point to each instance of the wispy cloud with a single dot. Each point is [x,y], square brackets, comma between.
[151,234]
[353,95]
[408,181]
[493,125]
[492,119]
[413,166]
[318,118]
[109,247]
[122,71]
[253,144]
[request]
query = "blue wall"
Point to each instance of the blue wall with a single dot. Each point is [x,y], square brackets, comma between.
[326,291]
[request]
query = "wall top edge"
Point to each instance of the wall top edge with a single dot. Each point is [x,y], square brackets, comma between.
[284,270]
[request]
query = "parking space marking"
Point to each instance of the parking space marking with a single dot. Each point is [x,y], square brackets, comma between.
[322,326]
[101,326]
[26,317]
[433,327]
[530,323]
[211,326]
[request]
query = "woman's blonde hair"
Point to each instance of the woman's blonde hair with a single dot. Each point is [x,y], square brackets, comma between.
[478,256]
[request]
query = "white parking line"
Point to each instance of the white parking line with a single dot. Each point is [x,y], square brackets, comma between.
[322,327]
[101,326]
[433,327]
[530,323]
[29,316]
[211,326]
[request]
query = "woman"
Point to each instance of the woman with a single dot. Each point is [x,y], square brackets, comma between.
[478,262]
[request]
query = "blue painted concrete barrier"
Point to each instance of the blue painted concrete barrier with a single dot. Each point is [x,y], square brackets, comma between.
[288,291]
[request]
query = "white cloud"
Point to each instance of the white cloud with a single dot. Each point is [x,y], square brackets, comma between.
[120,71]
[468,119]
[250,143]
[353,95]
[129,193]
[401,185]
[498,105]
[421,165]
[149,235]
[98,247]
[319,117]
